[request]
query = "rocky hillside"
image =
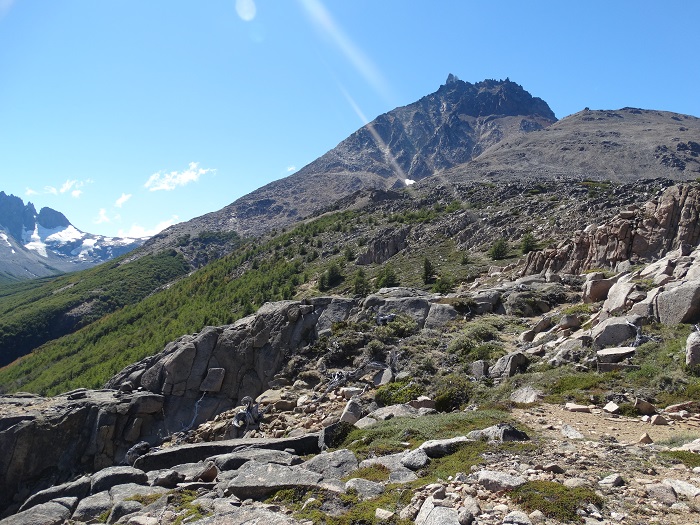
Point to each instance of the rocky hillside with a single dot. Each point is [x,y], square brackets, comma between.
[45,243]
[518,398]
[446,128]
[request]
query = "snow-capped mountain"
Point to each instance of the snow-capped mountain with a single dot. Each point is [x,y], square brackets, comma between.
[46,243]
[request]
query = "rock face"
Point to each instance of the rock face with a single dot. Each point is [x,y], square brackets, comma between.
[664,223]
[95,432]
[192,380]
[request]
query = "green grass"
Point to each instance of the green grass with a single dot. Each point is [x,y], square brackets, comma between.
[376,472]
[554,500]
[387,437]
[688,458]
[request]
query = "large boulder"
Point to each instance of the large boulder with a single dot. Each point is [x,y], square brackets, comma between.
[692,350]
[509,365]
[680,304]
[615,330]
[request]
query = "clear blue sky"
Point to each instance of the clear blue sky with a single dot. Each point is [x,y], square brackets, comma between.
[127,115]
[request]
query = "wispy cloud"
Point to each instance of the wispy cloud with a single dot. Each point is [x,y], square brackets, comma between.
[5,6]
[328,27]
[29,192]
[138,231]
[102,217]
[122,200]
[169,181]
[291,168]
[72,186]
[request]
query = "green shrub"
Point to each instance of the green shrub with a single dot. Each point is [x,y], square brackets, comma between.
[452,392]
[399,392]
[499,250]
[443,285]
[528,243]
[554,500]
[387,278]
[402,326]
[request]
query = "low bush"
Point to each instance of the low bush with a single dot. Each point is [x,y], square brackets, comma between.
[554,500]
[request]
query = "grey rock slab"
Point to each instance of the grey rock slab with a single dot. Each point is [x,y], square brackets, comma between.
[121,492]
[509,365]
[336,464]
[249,516]
[570,432]
[500,432]
[78,488]
[352,412]
[123,508]
[437,448]
[109,477]
[258,480]
[365,488]
[192,453]
[615,355]
[415,459]
[663,493]
[365,422]
[497,481]
[399,473]
[92,506]
[442,516]
[613,480]
[683,488]
[692,350]
[517,517]
[234,460]
[50,513]
[680,304]
[389,412]
[526,395]
[615,330]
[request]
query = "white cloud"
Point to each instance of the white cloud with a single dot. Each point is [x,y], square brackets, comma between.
[291,168]
[30,191]
[246,9]
[76,193]
[50,189]
[102,217]
[122,200]
[72,186]
[140,231]
[170,181]
[68,185]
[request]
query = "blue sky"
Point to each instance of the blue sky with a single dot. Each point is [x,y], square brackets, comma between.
[128,115]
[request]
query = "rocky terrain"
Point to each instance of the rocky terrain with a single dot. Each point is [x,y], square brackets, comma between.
[404,406]
[38,244]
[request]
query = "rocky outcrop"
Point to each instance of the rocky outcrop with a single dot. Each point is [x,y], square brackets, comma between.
[670,221]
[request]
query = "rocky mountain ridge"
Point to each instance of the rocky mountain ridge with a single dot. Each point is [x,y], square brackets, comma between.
[46,243]
[443,129]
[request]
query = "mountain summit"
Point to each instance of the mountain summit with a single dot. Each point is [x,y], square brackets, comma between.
[46,243]
[444,129]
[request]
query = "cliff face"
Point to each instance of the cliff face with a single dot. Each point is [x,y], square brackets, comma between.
[669,221]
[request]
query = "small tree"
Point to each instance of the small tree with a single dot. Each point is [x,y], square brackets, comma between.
[330,278]
[528,243]
[360,283]
[443,285]
[428,271]
[387,277]
[499,250]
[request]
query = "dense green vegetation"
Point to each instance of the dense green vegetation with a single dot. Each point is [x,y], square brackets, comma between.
[34,312]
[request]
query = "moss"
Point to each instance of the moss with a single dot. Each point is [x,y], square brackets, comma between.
[554,500]
[102,518]
[688,458]
[466,456]
[187,511]
[452,392]
[145,499]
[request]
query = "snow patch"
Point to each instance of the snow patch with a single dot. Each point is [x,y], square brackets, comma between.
[5,238]
[409,182]
[67,234]
[33,241]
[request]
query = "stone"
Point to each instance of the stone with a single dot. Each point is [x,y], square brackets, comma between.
[663,493]
[123,508]
[614,331]
[574,407]
[517,517]
[168,479]
[570,432]
[479,369]
[401,410]
[500,432]
[398,472]
[680,304]
[645,439]
[213,381]
[248,515]
[644,407]
[612,480]
[526,395]
[50,513]
[336,464]
[683,488]
[415,459]
[352,412]
[658,419]
[107,478]
[570,351]
[441,516]
[78,488]
[383,514]
[615,355]
[617,300]
[611,408]
[422,402]
[569,322]
[499,481]
[365,489]
[366,422]
[383,377]
[596,287]
[234,460]
[509,365]
[692,350]
[259,480]
[437,448]
[92,506]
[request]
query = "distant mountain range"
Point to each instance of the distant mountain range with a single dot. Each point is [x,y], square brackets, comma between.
[46,243]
